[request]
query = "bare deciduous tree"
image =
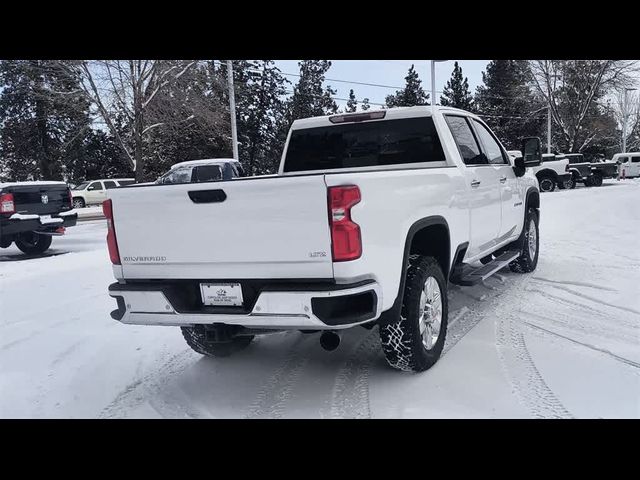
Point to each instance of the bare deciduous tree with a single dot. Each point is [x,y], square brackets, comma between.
[573,88]
[129,88]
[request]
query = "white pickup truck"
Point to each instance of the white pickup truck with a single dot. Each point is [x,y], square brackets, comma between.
[369,218]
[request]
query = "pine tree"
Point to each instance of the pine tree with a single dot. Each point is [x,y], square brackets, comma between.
[44,120]
[259,104]
[506,102]
[412,94]
[310,98]
[365,105]
[456,93]
[352,104]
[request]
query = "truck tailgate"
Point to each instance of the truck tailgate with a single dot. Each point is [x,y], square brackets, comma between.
[264,228]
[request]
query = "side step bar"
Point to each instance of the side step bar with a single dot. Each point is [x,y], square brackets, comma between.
[466,275]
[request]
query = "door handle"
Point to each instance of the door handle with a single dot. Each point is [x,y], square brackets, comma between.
[475,183]
[503,179]
[207,196]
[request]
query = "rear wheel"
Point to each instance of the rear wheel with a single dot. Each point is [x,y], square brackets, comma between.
[547,184]
[414,342]
[196,339]
[33,243]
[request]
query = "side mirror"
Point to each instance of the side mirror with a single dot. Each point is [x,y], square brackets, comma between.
[519,166]
[531,151]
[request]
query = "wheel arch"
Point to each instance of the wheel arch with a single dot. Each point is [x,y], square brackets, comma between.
[427,236]
[547,172]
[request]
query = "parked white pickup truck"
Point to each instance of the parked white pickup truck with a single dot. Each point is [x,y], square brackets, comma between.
[370,217]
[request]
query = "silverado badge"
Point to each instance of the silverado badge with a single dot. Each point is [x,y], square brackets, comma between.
[45,198]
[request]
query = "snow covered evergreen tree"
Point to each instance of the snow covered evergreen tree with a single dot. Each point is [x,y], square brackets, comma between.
[412,94]
[44,120]
[507,103]
[365,105]
[352,104]
[456,93]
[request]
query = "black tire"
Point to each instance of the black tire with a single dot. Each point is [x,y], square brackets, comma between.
[33,243]
[195,338]
[402,340]
[596,181]
[78,202]
[572,183]
[526,263]
[588,182]
[547,184]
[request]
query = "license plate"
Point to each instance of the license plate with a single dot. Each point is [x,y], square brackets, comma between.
[221,294]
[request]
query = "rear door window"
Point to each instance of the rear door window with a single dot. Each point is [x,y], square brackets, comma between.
[206,173]
[368,144]
[491,147]
[465,140]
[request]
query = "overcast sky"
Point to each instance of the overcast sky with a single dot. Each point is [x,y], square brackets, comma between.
[387,72]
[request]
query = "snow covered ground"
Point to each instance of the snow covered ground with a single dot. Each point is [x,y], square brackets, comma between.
[563,341]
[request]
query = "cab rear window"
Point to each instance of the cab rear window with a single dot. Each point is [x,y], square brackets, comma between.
[353,145]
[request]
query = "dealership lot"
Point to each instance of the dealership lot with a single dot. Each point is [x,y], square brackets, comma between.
[560,342]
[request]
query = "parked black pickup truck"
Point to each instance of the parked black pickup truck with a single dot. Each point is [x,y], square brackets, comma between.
[31,213]
[589,173]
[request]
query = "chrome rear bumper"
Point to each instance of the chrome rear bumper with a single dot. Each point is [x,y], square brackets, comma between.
[318,310]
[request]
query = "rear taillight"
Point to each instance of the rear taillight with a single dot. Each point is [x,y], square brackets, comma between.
[70,199]
[345,233]
[7,205]
[112,242]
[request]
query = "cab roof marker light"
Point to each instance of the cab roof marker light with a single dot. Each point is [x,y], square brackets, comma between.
[358,117]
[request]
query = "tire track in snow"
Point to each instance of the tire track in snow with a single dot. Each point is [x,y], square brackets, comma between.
[596,300]
[350,392]
[145,389]
[272,398]
[587,345]
[577,284]
[520,369]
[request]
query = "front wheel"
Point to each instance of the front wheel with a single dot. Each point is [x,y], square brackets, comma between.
[596,181]
[196,339]
[33,243]
[414,342]
[547,184]
[529,243]
[78,202]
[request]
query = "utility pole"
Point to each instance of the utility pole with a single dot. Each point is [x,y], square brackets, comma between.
[433,82]
[549,127]
[232,109]
[625,116]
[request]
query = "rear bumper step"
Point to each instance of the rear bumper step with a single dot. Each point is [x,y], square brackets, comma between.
[467,275]
[322,309]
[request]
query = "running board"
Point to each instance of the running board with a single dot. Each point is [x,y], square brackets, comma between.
[466,275]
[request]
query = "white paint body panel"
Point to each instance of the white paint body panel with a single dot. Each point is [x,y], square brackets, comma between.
[268,226]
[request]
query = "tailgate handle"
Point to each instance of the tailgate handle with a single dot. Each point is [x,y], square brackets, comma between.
[207,196]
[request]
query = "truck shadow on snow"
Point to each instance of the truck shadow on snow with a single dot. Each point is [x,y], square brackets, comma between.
[18,257]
